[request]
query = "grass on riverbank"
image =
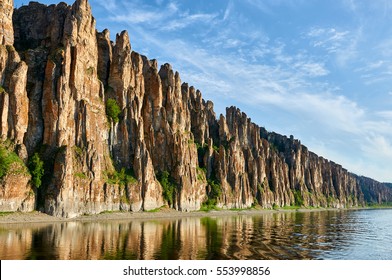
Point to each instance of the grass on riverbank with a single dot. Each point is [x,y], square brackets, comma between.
[385,205]
[2,214]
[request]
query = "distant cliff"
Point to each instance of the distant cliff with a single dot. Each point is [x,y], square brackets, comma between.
[88,125]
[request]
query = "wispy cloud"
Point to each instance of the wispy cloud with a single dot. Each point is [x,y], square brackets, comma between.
[328,38]
[187,20]
[341,44]
[260,5]
[229,10]
[167,18]
[386,115]
[110,4]
[137,16]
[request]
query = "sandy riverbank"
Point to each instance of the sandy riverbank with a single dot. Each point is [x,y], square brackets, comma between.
[38,217]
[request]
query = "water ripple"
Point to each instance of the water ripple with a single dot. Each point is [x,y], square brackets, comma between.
[365,234]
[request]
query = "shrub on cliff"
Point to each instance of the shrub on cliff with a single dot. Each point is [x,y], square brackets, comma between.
[36,167]
[10,162]
[113,111]
[214,192]
[168,186]
[122,177]
[4,162]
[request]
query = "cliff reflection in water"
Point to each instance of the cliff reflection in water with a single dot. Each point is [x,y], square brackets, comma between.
[285,235]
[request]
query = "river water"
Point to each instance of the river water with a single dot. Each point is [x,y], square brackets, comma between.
[352,235]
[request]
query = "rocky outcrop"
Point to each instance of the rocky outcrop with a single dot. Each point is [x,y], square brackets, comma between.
[375,192]
[16,192]
[118,132]
[6,28]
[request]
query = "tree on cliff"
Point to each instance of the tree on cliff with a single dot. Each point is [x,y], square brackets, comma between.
[36,167]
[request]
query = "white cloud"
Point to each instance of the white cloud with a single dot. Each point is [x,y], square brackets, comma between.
[109,4]
[328,38]
[342,44]
[187,20]
[260,5]
[378,146]
[229,10]
[137,16]
[386,114]
[172,7]
[166,18]
[312,69]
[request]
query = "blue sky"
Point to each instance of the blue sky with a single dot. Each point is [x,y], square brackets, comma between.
[319,70]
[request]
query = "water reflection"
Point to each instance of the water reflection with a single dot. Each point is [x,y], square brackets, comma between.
[285,235]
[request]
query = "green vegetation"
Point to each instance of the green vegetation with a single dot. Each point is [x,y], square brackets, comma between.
[215,189]
[208,207]
[105,212]
[113,110]
[260,188]
[78,151]
[80,175]
[330,201]
[169,187]
[36,167]
[201,149]
[122,178]
[2,90]
[379,205]
[155,210]
[298,199]
[201,173]
[214,192]
[2,214]
[7,160]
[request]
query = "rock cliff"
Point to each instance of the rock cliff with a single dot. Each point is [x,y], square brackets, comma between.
[16,191]
[117,132]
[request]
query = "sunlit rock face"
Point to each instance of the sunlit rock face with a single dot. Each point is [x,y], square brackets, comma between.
[16,192]
[110,124]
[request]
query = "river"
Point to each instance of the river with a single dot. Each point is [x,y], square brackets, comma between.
[340,235]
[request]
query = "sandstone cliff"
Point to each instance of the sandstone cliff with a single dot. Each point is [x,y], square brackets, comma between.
[117,132]
[16,192]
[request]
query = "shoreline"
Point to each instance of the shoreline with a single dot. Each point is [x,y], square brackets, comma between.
[38,217]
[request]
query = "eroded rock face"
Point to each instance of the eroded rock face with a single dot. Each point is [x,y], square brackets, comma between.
[16,192]
[374,192]
[6,28]
[58,82]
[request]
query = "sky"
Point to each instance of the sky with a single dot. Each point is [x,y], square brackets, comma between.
[318,70]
